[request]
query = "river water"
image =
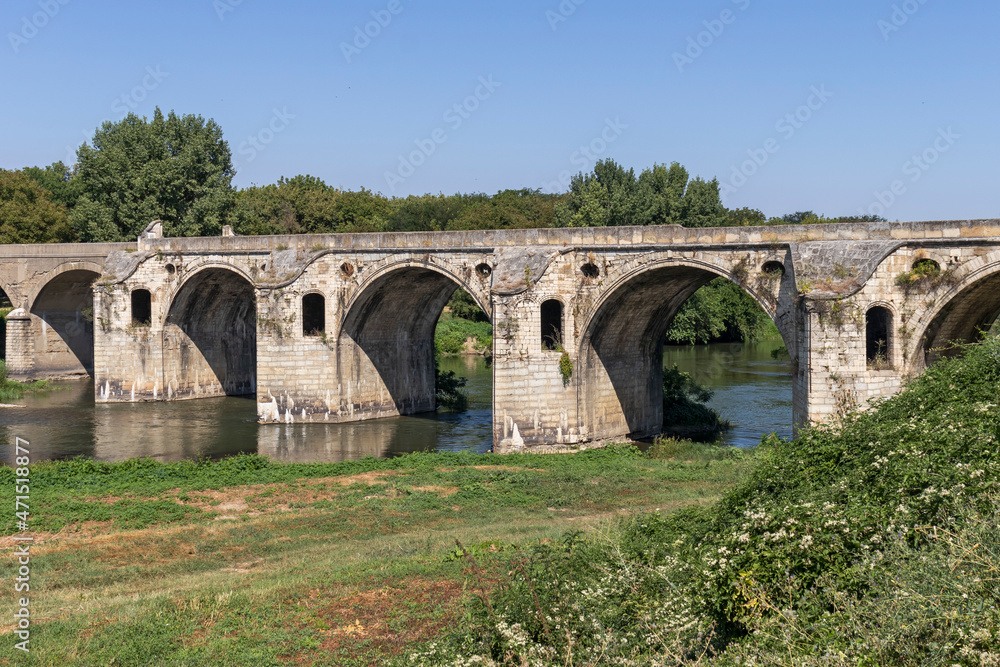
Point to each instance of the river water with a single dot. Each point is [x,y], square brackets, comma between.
[751,390]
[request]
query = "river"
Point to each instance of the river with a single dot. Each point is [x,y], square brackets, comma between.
[751,390]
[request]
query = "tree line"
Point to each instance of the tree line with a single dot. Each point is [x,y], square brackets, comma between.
[179,169]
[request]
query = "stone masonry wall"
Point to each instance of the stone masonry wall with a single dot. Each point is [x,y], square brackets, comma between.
[618,288]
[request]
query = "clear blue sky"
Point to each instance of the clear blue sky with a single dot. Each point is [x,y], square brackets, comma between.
[611,76]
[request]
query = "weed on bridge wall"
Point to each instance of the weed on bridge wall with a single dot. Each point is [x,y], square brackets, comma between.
[872,541]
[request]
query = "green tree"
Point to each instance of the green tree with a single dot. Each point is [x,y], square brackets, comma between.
[605,197]
[702,204]
[859,218]
[745,217]
[361,211]
[428,213]
[58,179]
[174,168]
[463,306]
[800,218]
[719,311]
[508,209]
[662,195]
[587,206]
[305,204]
[27,212]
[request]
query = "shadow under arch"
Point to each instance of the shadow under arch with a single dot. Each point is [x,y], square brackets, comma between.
[65,306]
[5,304]
[621,349]
[967,314]
[210,336]
[385,344]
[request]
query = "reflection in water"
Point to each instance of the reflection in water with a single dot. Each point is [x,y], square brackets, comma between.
[441,431]
[751,389]
[64,423]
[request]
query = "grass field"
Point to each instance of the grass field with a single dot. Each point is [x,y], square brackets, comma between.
[248,562]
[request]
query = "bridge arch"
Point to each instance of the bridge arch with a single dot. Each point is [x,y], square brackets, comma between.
[8,296]
[210,335]
[965,307]
[621,345]
[461,277]
[385,341]
[63,302]
[52,274]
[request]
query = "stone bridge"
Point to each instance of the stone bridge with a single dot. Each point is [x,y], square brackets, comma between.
[337,328]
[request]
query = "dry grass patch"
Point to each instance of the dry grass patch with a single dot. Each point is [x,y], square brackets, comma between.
[384,621]
[440,491]
[276,497]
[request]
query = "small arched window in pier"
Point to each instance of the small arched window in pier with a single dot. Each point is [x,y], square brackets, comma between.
[142,308]
[313,315]
[552,312]
[878,337]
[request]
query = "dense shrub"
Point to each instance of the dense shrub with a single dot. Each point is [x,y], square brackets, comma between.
[448,388]
[873,541]
[684,411]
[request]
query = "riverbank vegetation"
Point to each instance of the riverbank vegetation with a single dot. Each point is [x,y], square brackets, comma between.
[872,541]
[720,312]
[11,390]
[685,413]
[248,562]
[455,335]
[448,388]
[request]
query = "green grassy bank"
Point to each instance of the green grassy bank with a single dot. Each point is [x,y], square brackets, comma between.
[249,562]
[875,541]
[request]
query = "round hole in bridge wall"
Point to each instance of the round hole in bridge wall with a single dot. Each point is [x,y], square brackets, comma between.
[590,270]
[926,266]
[484,270]
[171,269]
[773,268]
[347,269]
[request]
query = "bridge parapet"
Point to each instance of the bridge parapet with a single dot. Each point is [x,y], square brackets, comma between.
[586,237]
